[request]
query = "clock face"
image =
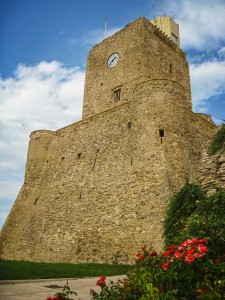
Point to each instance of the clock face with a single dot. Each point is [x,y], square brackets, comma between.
[113,60]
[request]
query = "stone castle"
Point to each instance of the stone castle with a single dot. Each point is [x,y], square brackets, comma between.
[95,190]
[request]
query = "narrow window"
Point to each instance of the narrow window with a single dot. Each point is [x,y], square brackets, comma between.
[97,151]
[80,195]
[117,94]
[161,133]
[129,125]
[35,202]
[78,155]
[171,68]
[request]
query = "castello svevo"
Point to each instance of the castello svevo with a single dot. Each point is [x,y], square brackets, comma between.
[97,189]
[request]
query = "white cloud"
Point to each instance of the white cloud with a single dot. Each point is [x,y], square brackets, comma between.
[202,27]
[202,22]
[207,80]
[44,96]
[221,52]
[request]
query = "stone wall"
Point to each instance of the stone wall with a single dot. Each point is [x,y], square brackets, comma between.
[100,188]
[145,53]
[97,189]
[211,175]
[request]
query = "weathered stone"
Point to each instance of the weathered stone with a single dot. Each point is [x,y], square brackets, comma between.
[211,192]
[222,159]
[106,180]
[211,166]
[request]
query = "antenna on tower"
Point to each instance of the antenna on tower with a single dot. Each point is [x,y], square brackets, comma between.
[106,22]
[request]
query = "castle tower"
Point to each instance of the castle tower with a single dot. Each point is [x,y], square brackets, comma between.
[97,189]
[120,62]
[169,27]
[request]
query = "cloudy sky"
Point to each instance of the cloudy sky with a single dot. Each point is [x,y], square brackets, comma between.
[43,49]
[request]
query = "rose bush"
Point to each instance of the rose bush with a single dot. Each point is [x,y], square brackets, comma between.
[183,271]
[65,295]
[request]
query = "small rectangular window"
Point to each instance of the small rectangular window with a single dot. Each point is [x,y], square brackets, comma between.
[161,133]
[171,68]
[117,94]
[129,125]
[78,155]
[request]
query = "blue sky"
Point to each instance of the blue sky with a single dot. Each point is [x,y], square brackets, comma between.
[43,49]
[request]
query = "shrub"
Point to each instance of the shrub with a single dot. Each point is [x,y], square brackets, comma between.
[184,272]
[218,142]
[208,221]
[191,213]
[179,209]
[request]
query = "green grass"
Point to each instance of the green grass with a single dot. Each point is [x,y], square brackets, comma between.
[10,270]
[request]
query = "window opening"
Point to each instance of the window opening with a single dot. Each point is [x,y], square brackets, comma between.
[80,195]
[171,68]
[161,133]
[117,94]
[35,202]
[78,155]
[129,125]
[62,158]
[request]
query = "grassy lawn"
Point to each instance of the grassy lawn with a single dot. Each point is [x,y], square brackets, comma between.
[33,270]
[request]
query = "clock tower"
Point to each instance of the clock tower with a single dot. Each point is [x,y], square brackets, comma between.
[95,190]
[139,52]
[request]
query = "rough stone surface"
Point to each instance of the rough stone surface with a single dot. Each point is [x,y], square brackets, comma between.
[211,173]
[97,189]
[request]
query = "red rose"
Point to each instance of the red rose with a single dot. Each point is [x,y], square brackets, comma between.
[101,281]
[167,253]
[178,255]
[172,247]
[203,249]
[203,241]
[49,298]
[189,258]
[194,241]
[153,253]
[103,278]
[165,266]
